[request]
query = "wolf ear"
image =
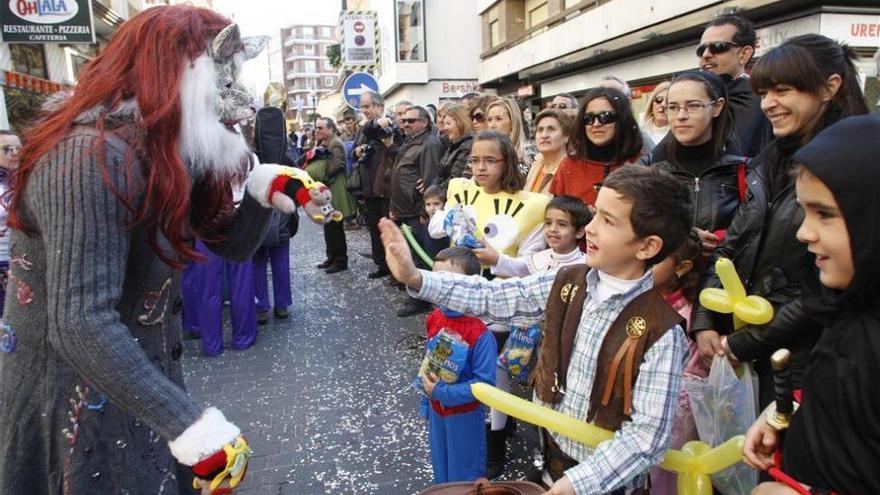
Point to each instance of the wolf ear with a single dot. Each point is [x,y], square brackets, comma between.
[253,45]
[227,42]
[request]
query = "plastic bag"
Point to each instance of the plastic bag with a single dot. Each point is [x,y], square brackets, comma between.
[516,357]
[460,225]
[724,405]
[445,358]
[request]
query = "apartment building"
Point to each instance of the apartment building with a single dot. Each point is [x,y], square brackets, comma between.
[307,71]
[536,49]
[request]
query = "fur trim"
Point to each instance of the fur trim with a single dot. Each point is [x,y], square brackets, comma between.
[206,144]
[260,180]
[204,437]
[125,113]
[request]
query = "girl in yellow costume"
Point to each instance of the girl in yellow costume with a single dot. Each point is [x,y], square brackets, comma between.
[509,220]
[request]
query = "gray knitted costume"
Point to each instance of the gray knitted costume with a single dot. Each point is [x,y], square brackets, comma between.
[91,388]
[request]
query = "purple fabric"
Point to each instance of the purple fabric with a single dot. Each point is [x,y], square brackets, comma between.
[279,257]
[210,311]
[189,293]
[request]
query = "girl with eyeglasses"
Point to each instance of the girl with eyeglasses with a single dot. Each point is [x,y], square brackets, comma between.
[655,122]
[505,116]
[609,137]
[806,84]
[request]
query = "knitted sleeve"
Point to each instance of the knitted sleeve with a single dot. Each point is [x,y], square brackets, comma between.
[84,228]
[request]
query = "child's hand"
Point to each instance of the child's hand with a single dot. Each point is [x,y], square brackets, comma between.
[561,487]
[760,444]
[429,381]
[398,257]
[487,255]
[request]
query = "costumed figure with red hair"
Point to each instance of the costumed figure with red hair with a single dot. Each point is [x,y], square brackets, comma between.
[116,181]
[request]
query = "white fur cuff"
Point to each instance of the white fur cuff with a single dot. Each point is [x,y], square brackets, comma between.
[260,180]
[204,437]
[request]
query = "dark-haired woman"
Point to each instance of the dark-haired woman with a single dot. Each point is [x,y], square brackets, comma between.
[700,151]
[806,84]
[610,138]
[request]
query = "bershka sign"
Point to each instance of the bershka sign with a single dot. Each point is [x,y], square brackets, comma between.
[47,21]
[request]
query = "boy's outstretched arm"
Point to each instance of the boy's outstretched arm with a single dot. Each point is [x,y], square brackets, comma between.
[398,256]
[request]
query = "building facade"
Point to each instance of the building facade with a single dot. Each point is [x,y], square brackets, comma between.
[536,49]
[307,71]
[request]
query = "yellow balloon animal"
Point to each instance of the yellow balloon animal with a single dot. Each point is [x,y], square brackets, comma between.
[693,463]
[753,310]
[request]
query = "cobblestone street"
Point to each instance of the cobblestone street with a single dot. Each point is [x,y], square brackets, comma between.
[324,397]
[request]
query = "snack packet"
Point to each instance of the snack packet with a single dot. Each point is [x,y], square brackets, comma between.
[516,357]
[445,357]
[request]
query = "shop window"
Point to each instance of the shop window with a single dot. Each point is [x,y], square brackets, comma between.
[28,59]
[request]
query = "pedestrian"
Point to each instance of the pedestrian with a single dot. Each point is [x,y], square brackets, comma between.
[455,417]
[505,116]
[456,127]
[479,112]
[552,130]
[610,138]
[435,200]
[808,83]
[642,216]
[655,122]
[564,101]
[727,45]
[564,223]
[619,84]
[330,148]
[415,169]
[275,252]
[10,147]
[372,169]
[830,445]
[702,152]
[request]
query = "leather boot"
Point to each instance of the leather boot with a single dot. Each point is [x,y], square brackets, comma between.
[324,264]
[496,452]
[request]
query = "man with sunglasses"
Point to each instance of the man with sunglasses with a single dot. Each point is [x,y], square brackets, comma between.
[726,47]
[10,147]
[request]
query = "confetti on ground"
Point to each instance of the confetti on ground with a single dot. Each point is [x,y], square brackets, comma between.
[324,396]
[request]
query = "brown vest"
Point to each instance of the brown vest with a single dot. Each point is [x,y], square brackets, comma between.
[641,323]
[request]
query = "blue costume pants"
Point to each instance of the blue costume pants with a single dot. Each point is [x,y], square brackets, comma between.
[458,445]
[210,310]
[191,295]
[279,257]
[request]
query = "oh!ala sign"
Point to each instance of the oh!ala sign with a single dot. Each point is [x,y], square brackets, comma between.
[47,21]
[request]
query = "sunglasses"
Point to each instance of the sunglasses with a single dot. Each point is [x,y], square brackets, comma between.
[602,117]
[716,47]
[659,99]
[478,117]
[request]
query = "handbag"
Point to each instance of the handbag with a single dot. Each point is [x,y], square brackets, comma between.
[484,487]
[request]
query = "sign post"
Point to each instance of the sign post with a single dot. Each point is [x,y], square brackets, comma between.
[357,84]
[47,21]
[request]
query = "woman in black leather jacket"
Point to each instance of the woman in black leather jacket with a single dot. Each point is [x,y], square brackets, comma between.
[699,151]
[456,126]
[806,84]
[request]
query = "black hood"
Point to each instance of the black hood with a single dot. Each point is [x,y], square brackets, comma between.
[845,157]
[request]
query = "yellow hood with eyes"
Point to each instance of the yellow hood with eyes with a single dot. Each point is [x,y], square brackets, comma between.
[503,219]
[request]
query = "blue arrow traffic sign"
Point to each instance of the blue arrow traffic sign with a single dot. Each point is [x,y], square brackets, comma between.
[355,85]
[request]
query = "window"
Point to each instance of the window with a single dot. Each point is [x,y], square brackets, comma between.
[310,66]
[328,82]
[495,32]
[410,31]
[308,32]
[28,59]
[537,11]
[326,32]
[310,50]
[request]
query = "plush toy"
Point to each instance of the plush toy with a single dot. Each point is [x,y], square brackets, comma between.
[286,187]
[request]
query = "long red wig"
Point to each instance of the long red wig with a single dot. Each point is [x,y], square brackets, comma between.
[144,60]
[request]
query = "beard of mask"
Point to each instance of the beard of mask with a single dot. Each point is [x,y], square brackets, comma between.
[207,145]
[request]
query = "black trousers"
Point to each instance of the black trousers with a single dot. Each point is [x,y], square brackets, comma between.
[376,209]
[334,239]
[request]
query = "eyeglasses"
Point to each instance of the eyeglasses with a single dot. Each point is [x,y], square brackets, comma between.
[716,47]
[489,160]
[478,117]
[602,117]
[689,107]
[659,99]
[410,121]
[10,150]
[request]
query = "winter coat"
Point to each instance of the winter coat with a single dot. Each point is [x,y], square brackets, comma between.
[417,159]
[369,164]
[751,127]
[454,161]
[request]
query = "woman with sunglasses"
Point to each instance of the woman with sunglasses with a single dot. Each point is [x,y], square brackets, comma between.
[479,112]
[610,137]
[505,116]
[806,84]
[655,122]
